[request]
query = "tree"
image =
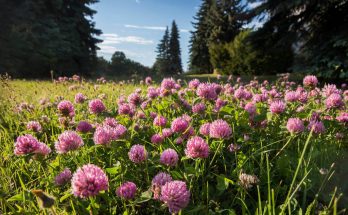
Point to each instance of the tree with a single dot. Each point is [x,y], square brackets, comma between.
[236,57]
[199,61]
[120,65]
[174,51]
[226,18]
[218,22]
[162,63]
[39,36]
[317,29]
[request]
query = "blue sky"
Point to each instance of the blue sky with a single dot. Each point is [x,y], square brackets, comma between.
[136,26]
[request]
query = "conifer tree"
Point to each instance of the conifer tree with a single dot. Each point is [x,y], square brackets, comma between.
[199,61]
[39,36]
[161,65]
[174,51]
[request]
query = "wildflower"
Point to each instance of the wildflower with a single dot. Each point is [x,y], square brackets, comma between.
[126,109]
[152,93]
[193,84]
[219,103]
[103,135]
[26,144]
[66,108]
[80,98]
[239,93]
[277,107]
[334,101]
[167,132]
[148,80]
[175,195]
[250,108]
[96,106]
[317,127]
[84,127]
[134,99]
[179,140]
[169,157]
[179,125]
[233,147]
[247,181]
[206,91]
[295,125]
[198,108]
[34,126]
[291,96]
[63,177]
[137,153]
[220,129]
[88,181]
[205,129]
[42,149]
[112,122]
[168,84]
[310,81]
[157,182]
[343,117]
[68,141]
[197,148]
[330,89]
[127,190]
[156,139]
[160,121]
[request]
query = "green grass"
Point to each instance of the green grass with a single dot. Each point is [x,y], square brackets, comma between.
[288,166]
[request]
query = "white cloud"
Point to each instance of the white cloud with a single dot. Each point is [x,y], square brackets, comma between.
[137,1]
[255,4]
[109,39]
[104,49]
[184,30]
[156,28]
[160,28]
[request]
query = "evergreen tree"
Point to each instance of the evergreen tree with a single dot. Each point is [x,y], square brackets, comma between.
[162,63]
[174,51]
[199,61]
[39,36]
[226,18]
[317,29]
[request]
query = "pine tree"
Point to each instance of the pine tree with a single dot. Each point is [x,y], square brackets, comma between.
[39,36]
[162,63]
[174,51]
[318,30]
[226,18]
[199,61]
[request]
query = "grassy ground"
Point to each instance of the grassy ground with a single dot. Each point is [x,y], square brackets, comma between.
[288,166]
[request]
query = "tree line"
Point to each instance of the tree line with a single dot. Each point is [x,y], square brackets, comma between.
[37,36]
[308,36]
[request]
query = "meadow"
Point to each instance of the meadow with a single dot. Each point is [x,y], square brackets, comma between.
[228,146]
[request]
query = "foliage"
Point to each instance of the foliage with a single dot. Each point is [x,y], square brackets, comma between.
[120,66]
[316,30]
[218,22]
[40,36]
[199,52]
[236,57]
